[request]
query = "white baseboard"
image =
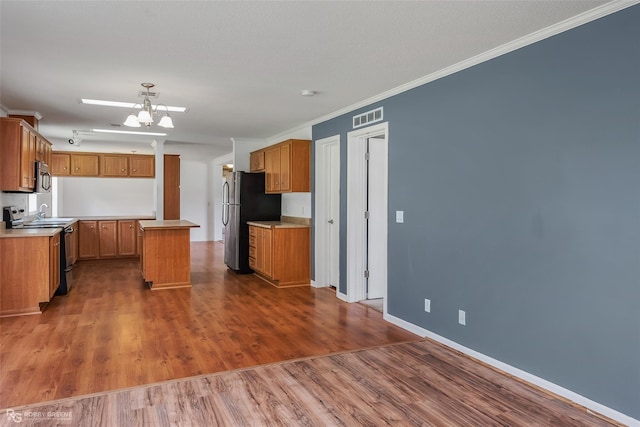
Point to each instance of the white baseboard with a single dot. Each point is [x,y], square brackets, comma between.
[519,373]
[341,296]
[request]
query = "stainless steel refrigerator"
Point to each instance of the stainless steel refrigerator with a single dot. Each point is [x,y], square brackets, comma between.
[244,199]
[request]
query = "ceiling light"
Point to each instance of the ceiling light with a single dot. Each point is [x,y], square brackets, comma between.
[307,92]
[147,111]
[129,132]
[128,105]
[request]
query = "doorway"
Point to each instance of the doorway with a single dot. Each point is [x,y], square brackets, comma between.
[367,212]
[327,212]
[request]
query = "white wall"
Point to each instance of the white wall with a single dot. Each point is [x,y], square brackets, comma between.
[79,196]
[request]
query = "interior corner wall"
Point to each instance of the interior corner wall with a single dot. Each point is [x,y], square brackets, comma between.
[519,179]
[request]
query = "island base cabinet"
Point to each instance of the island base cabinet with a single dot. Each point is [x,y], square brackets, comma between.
[166,258]
[27,274]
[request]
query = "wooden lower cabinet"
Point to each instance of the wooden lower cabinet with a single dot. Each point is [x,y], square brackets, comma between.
[29,273]
[106,239]
[88,239]
[281,255]
[127,236]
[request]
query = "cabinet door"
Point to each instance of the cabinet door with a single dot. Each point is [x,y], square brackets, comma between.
[28,158]
[61,164]
[272,170]
[54,264]
[171,186]
[142,166]
[127,238]
[285,167]
[113,165]
[84,164]
[40,154]
[108,236]
[256,161]
[87,239]
[267,252]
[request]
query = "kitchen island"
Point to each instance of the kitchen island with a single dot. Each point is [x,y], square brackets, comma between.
[165,256]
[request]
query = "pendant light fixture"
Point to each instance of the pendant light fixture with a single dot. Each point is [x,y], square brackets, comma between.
[147,111]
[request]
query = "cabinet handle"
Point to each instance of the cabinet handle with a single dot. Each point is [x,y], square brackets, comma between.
[92,226]
[130,226]
[135,170]
[122,170]
[64,168]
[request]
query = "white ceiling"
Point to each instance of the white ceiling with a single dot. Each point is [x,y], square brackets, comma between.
[239,66]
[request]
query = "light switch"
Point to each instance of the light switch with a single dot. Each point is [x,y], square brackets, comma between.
[399,216]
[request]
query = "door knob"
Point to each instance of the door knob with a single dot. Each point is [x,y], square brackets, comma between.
[330,221]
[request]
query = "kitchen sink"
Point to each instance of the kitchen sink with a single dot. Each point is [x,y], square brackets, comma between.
[52,220]
[48,222]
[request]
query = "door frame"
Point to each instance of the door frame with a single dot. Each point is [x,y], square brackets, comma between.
[356,206]
[322,183]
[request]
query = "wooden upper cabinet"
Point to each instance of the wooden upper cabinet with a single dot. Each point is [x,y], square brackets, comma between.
[17,155]
[256,161]
[28,158]
[43,150]
[84,164]
[114,165]
[61,164]
[288,166]
[108,165]
[272,170]
[142,166]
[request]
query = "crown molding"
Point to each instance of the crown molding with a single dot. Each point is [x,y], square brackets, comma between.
[24,113]
[552,30]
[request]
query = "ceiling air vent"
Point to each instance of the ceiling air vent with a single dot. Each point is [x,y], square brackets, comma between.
[367,118]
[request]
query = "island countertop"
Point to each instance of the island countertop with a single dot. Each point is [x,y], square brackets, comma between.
[277,224]
[166,224]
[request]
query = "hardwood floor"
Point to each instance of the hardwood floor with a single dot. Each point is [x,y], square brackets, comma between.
[111,332]
[86,360]
[413,383]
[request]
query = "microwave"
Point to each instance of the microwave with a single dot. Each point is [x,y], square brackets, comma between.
[43,178]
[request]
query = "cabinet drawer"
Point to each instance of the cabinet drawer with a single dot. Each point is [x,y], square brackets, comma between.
[252,231]
[252,240]
[252,263]
[252,251]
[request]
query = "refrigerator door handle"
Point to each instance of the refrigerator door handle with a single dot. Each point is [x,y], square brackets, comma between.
[225,203]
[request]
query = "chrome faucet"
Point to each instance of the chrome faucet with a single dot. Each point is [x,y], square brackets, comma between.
[41,212]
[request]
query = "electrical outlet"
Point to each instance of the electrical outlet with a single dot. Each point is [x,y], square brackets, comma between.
[399,217]
[427,305]
[462,317]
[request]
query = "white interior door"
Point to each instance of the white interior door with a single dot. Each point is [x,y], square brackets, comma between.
[364,256]
[333,208]
[327,212]
[377,223]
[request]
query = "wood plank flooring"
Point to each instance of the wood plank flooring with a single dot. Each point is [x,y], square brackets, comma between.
[111,332]
[113,353]
[414,383]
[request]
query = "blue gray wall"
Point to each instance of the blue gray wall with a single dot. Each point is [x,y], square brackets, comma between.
[520,182]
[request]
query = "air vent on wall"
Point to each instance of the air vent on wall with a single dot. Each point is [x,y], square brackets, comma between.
[367,118]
